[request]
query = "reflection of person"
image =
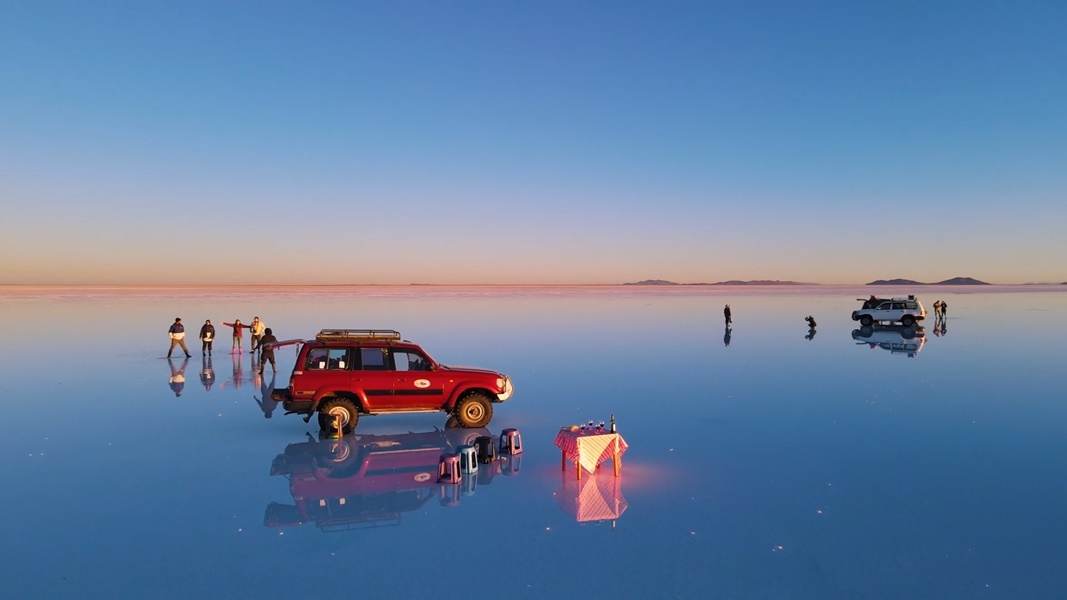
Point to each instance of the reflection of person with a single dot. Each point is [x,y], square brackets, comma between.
[267,351]
[207,374]
[177,376]
[237,326]
[726,337]
[177,337]
[256,329]
[207,335]
[944,327]
[238,372]
[729,315]
[265,402]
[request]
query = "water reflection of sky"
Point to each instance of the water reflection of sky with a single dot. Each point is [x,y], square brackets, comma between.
[779,466]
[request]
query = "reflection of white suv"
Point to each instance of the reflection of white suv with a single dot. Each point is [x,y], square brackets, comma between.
[894,338]
[905,311]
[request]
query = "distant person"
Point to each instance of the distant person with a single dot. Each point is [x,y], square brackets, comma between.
[177,337]
[257,329]
[177,376]
[811,321]
[944,310]
[728,314]
[937,309]
[237,326]
[207,374]
[207,335]
[266,352]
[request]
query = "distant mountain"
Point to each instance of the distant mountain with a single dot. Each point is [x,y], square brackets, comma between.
[953,281]
[652,282]
[961,281]
[895,282]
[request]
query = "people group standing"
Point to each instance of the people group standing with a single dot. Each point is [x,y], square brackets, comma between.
[940,309]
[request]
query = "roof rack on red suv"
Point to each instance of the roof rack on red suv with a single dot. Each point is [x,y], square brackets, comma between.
[343,374]
[330,335]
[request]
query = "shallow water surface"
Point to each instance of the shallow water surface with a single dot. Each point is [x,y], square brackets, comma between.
[764,460]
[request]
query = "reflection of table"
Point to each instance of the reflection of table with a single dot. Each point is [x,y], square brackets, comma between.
[596,498]
[588,450]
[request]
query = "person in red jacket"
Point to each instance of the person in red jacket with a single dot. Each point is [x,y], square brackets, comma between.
[237,326]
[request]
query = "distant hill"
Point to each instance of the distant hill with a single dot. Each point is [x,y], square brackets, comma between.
[731,282]
[953,281]
[652,282]
[961,281]
[895,282]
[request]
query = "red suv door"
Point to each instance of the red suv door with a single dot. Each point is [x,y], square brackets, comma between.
[416,385]
[375,377]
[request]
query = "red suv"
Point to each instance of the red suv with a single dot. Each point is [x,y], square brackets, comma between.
[344,373]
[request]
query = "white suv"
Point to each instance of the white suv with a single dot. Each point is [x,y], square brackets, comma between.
[906,311]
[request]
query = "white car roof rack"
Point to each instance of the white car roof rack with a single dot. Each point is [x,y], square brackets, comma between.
[357,334]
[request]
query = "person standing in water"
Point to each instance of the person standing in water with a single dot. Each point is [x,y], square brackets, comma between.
[177,337]
[728,315]
[237,326]
[257,328]
[207,335]
[266,351]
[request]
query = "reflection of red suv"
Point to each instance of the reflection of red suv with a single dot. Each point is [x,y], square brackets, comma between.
[362,481]
[343,373]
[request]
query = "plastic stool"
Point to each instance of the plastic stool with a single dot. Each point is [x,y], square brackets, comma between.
[486,449]
[468,459]
[510,442]
[448,469]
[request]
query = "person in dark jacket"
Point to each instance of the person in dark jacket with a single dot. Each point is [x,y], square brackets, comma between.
[729,316]
[266,351]
[207,335]
[177,337]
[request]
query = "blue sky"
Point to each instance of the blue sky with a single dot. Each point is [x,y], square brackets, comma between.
[545,142]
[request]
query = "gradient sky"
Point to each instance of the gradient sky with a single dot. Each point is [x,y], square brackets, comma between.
[395,142]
